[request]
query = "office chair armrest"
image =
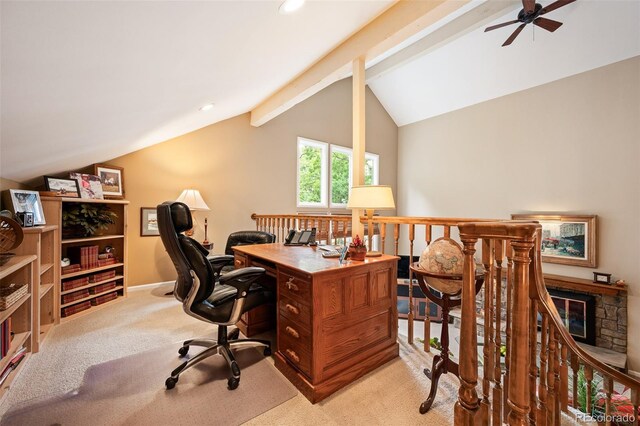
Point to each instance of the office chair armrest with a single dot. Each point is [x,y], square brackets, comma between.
[242,279]
[219,261]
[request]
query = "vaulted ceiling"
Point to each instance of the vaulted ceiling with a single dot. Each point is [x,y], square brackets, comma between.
[83,82]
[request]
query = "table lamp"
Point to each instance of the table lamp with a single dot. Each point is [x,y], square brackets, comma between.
[193,199]
[370,198]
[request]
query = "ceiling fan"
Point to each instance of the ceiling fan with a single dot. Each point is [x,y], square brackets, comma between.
[532,13]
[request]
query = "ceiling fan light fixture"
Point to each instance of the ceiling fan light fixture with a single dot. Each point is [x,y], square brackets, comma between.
[290,6]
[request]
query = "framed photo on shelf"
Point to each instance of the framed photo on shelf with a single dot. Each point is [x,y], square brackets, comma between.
[112,180]
[24,201]
[566,239]
[149,222]
[90,186]
[62,187]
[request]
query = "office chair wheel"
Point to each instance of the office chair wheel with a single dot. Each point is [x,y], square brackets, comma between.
[233,383]
[234,334]
[267,351]
[183,350]
[170,383]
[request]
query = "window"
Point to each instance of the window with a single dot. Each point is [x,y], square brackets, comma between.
[312,173]
[322,166]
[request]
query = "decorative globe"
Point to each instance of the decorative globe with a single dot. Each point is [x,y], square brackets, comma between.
[443,257]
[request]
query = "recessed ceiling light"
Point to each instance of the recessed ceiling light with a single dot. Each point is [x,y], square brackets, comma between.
[206,107]
[289,6]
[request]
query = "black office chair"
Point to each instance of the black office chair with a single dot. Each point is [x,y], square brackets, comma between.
[206,295]
[243,238]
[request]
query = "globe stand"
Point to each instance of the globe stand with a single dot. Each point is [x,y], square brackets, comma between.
[449,298]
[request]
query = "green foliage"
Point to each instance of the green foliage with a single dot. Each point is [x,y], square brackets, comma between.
[91,217]
[339,178]
[368,172]
[310,175]
[582,392]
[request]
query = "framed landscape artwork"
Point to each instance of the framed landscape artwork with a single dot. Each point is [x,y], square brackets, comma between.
[112,180]
[566,239]
[149,222]
[62,187]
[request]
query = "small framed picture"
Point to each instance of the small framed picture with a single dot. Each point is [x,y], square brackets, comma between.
[149,222]
[601,278]
[112,179]
[90,186]
[62,187]
[24,201]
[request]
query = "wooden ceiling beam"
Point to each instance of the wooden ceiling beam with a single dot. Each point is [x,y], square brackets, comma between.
[401,21]
[477,17]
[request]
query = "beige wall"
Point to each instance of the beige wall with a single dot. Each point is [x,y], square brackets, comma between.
[240,170]
[569,146]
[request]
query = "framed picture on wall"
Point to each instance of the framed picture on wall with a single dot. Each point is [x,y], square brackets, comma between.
[566,239]
[112,179]
[149,222]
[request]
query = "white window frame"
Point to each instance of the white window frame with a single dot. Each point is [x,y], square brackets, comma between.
[324,176]
[376,166]
[342,150]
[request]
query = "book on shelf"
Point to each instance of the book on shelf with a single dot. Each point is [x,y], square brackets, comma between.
[104,298]
[75,283]
[13,364]
[102,288]
[101,276]
[86,256]
[6,335]
[74,267]
[106,262]
[76,295]
[103,256]
[74,309]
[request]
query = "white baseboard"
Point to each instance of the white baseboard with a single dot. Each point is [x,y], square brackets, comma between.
[143,286]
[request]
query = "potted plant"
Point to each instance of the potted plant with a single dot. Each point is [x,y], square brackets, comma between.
[86,219]
[357,249]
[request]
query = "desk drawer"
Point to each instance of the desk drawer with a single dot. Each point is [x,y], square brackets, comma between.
[294,287]
[297,312]
[295,352]
[294,332]
[239,260]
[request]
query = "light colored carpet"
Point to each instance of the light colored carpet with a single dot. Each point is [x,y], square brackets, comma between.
[113,363]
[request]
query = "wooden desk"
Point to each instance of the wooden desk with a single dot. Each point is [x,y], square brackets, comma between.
[335,323]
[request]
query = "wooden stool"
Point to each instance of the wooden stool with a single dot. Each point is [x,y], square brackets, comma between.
[450,289]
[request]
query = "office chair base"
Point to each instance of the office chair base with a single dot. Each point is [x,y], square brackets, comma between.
[222,346]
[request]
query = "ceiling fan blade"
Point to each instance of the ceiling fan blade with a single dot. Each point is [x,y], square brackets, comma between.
[514,35]
[529,6]
[555,5]
[547,24]
[504,24]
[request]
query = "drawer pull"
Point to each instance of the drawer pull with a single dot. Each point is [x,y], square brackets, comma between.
[292,309]
[292,331]
[293,356]
[291,286]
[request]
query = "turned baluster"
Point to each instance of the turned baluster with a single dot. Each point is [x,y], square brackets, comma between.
[556,378]
[447,231]
[588,375]
[427,320]
[487,349]
[542,381]
[608,390]
[507,362]
[534,413]
[396,239]
[551,378]
[412,232]
[383,236]
[497,375]
[575,367]
[467,404]
[564,380]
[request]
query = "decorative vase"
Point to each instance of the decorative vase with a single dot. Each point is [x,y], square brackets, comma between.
[357,253]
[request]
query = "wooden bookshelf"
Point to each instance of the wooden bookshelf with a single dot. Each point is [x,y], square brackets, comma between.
[20,269]
[115,236]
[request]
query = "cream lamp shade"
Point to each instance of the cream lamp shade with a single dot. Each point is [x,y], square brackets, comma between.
[193,199]
[371,197]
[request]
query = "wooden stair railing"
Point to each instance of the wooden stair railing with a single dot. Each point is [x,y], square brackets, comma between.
[335,229]
[534,385]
